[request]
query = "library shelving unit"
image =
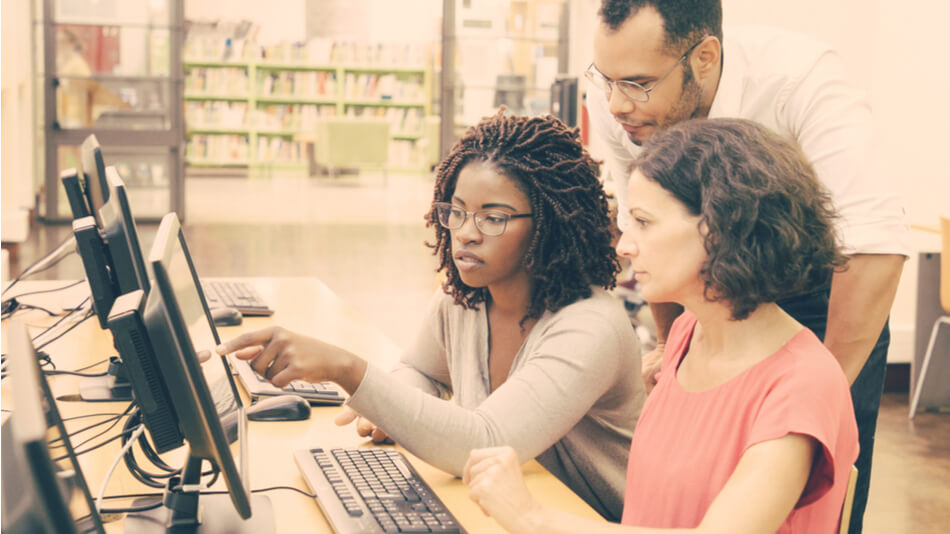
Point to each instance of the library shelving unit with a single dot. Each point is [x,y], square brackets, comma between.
[257,113]
[112,69]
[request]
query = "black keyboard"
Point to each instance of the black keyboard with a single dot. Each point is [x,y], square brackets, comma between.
[235,294]
[373,490]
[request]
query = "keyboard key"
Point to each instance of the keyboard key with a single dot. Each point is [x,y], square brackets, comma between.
[383,486]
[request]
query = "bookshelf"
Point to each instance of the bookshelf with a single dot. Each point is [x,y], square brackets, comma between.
[251,113]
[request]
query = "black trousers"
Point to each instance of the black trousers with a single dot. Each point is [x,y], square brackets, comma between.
[811,310]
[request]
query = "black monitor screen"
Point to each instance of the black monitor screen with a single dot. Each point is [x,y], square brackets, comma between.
[120,235]
[94,171]
[43,486]
[202,392]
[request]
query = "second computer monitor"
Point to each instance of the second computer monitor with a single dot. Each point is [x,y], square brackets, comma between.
[44,491]
[94,174]
[121,237]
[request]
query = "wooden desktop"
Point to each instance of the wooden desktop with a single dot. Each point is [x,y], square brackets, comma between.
[302,304]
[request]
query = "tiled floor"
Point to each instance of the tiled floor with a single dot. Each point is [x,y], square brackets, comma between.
[365,238]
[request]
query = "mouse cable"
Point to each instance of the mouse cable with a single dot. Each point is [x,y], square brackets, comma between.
[115,462]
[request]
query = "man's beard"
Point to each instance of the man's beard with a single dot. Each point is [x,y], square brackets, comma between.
[687,105]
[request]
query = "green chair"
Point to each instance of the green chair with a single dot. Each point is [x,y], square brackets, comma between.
[352,142]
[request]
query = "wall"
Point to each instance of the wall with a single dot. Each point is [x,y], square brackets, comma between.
[16,101]
[279,20]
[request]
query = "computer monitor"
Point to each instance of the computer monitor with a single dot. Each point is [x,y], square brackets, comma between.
[43,486]
[94,174]
[108,244]
[112,258]
[75,187]
[141,359]
[119,232]
[179,328]
[140,362]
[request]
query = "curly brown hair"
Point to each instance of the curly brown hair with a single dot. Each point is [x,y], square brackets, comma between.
[570,249]
[768,221]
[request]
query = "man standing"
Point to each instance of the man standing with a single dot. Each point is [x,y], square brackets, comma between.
[659,62]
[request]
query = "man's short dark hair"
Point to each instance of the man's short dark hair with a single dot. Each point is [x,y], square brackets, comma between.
[767,220]
[685,21]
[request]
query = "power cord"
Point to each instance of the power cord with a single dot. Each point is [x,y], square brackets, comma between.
[114,422]
[160,502]
[67,247]
[14,304]
[128,445]
[151,479]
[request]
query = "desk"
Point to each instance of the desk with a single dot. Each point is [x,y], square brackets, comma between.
[301,304]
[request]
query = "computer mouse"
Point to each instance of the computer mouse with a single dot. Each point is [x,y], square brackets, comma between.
[279,408]
[226,316]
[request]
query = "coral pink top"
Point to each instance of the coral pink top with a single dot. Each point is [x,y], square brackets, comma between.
[687,445]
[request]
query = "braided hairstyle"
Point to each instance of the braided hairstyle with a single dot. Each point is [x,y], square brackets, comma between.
[570,249]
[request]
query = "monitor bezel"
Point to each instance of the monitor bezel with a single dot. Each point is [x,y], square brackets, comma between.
[94,171]
[193,401]
[121,237]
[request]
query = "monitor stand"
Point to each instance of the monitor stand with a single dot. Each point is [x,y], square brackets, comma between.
[113,387]
[186,511]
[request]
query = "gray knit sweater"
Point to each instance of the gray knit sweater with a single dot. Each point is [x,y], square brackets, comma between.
[571,399]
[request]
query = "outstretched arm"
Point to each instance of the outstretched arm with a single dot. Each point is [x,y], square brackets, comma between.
[758,497]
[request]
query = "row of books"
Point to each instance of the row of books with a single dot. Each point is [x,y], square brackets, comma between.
[218,81]
[236,115]
[401,120]
[296,117]
[302,84]
[216,114]
[277,149]
[217,148]
[383,87]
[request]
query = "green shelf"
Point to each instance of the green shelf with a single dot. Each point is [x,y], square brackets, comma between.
[279,164]
[282,133]
[208,96]
[211,163]
[210,63]
[295,66]
[385,103]
[384,70]
[256,102]
[295,100]
[218,131]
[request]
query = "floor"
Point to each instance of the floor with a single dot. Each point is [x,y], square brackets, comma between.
[365,238]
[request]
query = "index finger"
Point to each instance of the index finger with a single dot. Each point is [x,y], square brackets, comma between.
[248,339]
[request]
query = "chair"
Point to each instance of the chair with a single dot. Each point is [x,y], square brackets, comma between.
[352,142]
[848,502]
[941,321]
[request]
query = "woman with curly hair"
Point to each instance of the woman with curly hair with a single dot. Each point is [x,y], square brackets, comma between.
[750,427]
[522,345]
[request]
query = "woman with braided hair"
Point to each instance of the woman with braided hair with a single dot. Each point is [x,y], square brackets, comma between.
[522,345]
